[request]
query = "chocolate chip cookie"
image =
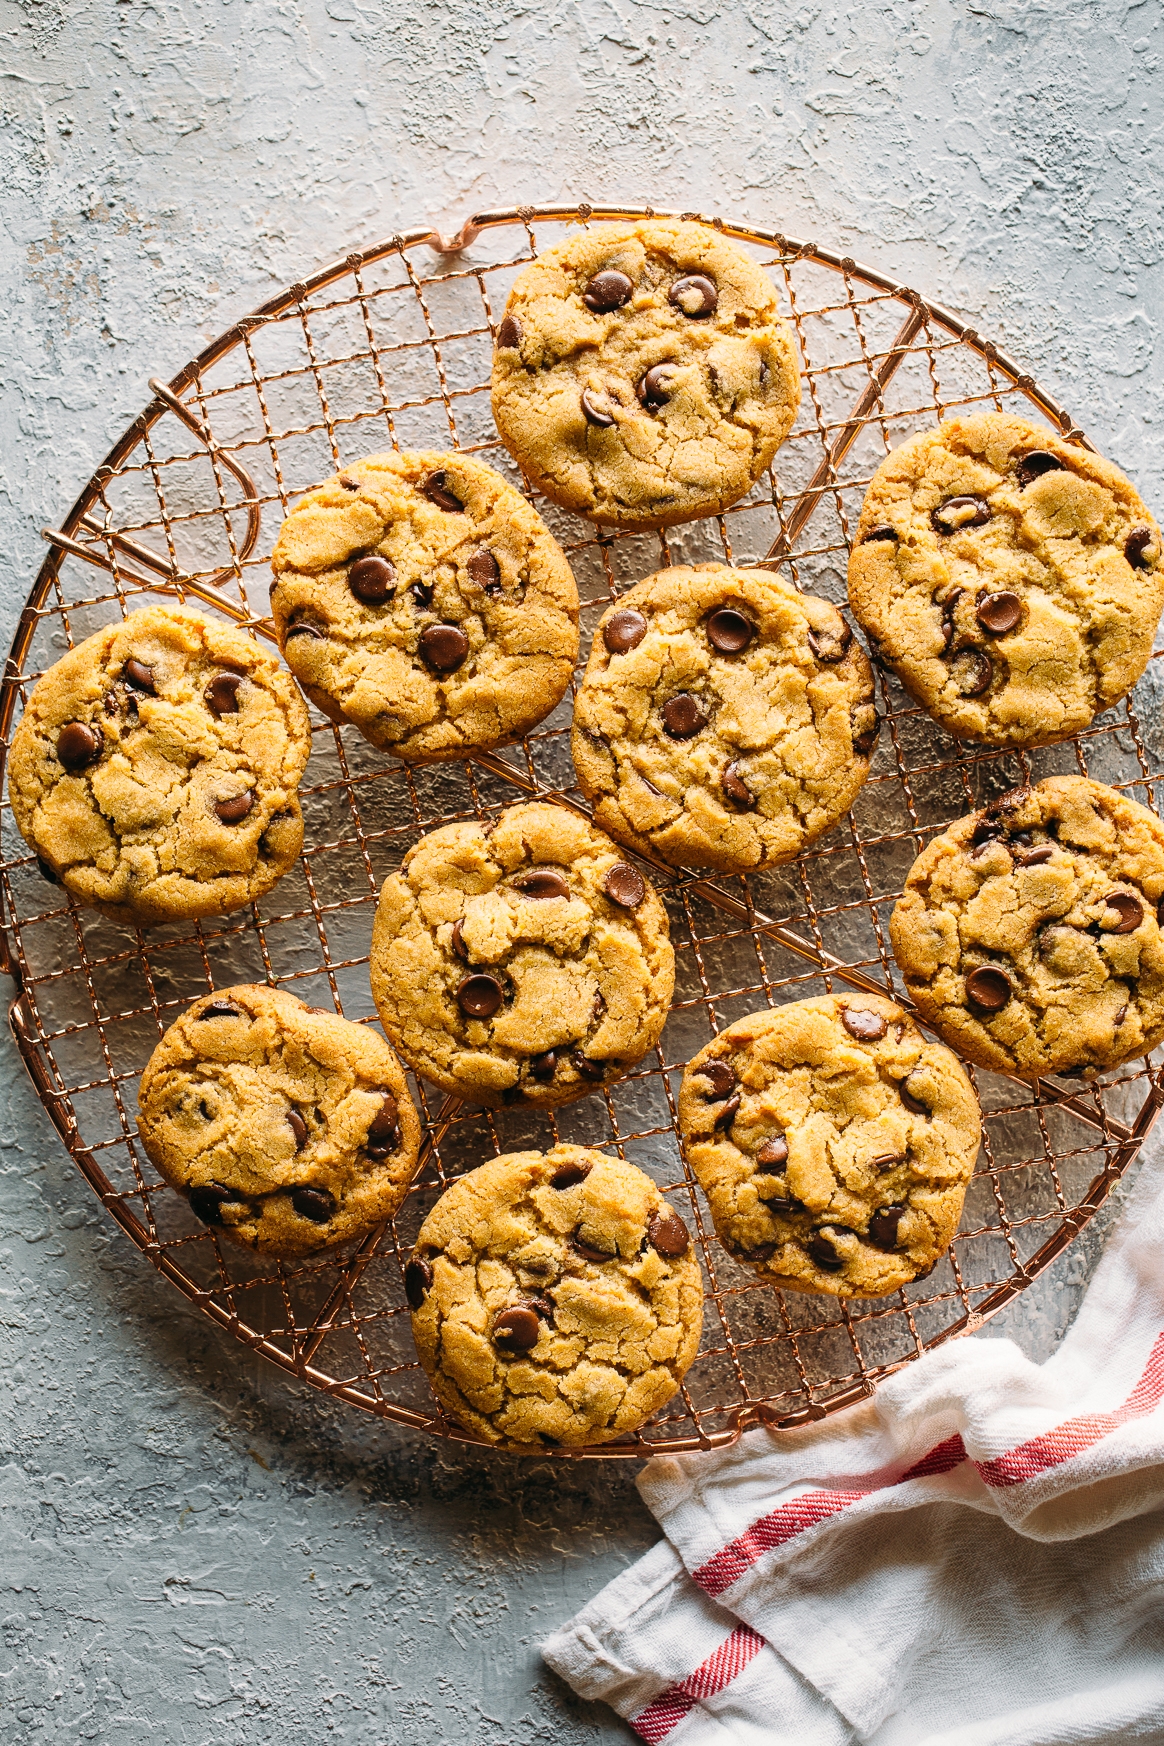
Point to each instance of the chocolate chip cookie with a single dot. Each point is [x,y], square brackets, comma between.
[1030,934]
[420,597]
[642,374]
[556,1299]
[155,770]
[286,1127]
[725,720]
[524,960]
[833,1143]
[1010,579]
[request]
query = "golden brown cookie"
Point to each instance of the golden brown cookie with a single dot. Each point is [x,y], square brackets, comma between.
[725,720]
[523,959]
[1029,934]
[1010,579]
[287,1127]
[556,1299]
[155,770]
[421,597]
[642,374]
[833,1143]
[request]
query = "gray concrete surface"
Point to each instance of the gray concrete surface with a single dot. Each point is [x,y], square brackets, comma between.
[190,1549]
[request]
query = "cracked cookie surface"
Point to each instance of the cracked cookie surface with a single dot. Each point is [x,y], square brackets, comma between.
[287,1127]
[833,1142]
[1010,579]
[725,720]
[1030,936]
[420,597]
[642,374]
[155,769]
[524,960]
[556,1299]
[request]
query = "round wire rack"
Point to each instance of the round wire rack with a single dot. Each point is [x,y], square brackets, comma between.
[392,347]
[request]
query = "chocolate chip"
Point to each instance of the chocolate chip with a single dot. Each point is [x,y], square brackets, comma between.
[301,628]
[109,703]
[884,532]
[959,512]
[762,1252]
[683,716]
[234,809]
[422,593]
[721,1079]
[1129,909]
[372,579]
[912,1103]
[599,1006]
[883,1227]
[316,1204]
[298,1127]
[988,988]
[657,385]
[695,294]
[998,613]
[542,1067]
[624,885]
[1160,913]
[727,1115]
[588,1249]
[624,631]
[518,1327]
[221,694]
[509,333]
[595,410]
[773,1151]
[543,1306]
[1034,465]
[457,941]
[1120,1016]
[479,995]
[607,290]
[141,677]
[829,645]
[208,1200]
[729,631]
[45,871]
[667,1234]
[824,1254]
[220,1008]
[886,1161]
[1034,856]
[349,484]
[485,571]
[438,488]
[987,830]
[540,882]
[863,1023]
[570,1175]
[594,1071]
[1142,548]
[444,647]
[417,1281]
[973,671]
[79,746]
[383,1136]
[949,605]
[865,726]
[735,788]
[783,1205]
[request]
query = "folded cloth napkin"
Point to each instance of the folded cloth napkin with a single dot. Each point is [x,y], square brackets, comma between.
[974,1556]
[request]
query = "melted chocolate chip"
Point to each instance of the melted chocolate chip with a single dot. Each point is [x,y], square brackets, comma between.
[973,671]
[298,1127]
[349,484]
[570,1175]
[457,941]
[960,512]
[479,995]
[438,488]
[383,1136]
[444,647]
[949,605]
[372,579]
[208,1200]
[595,409]
[783,1205]
[316,1204]
[79,746]
[865,726]
[422,593]
[301,628]
[586,1068]
[607,290]
[886,1161]
[762,1252]
[727,1115]
[884,532]
[683,716]
[220,1008]
[417,1281]
[735,788]
[999,613]
[509,333]
[1129,909]
[657,386]
[485,571]
[141,677]
[824,1254]
[1120,1016]
[721,1079]
[518,1328]
[624,885]
[863,1023]
[1142,548]
[624,631]
[542,1067]
[588,1249]
[1035,855]
[221,694]
[829,645]
[695,294]
[988,988]
[667,1234]
[728,631]
[1034,465]
[912,1103]
[773,1151]
[539,882]
[236,807]
[883,1227]
[109,703]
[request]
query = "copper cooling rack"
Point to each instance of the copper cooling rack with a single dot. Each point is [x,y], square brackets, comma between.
[392,346]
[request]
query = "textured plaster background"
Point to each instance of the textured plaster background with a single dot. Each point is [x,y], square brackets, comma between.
[192,1550]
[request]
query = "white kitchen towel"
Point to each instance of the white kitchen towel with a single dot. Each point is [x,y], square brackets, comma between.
[973,1557]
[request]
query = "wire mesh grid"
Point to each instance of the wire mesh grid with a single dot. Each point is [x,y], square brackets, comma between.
[393,347]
